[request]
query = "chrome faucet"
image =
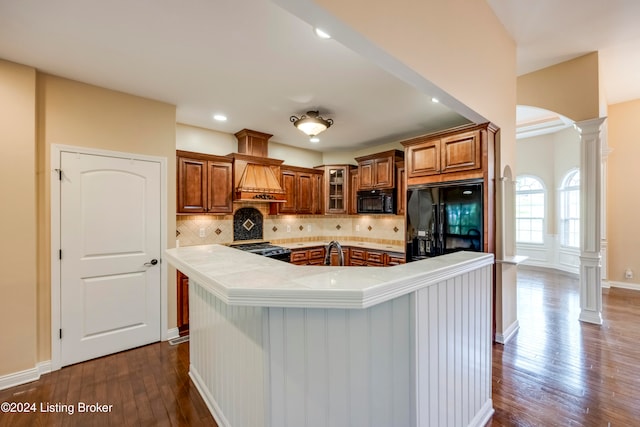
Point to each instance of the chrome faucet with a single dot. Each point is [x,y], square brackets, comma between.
[327,257]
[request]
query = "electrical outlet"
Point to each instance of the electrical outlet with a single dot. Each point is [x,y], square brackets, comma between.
[288,228]
[357,227]
[628,274]
[309,227]
[202,233]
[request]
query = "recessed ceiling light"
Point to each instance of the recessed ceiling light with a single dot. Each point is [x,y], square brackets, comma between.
[435,100]
[220,117]
[314,139]
[321,33]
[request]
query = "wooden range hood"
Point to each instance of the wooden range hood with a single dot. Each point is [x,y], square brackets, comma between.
[256,177]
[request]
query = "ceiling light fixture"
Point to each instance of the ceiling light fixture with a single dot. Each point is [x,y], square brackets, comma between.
[220,117]
[435,100]
[321,33]
[311,123]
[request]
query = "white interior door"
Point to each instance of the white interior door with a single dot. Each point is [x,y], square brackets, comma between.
[110,237]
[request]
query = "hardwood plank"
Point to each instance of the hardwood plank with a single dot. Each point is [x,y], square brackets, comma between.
[559,371]
[147,386]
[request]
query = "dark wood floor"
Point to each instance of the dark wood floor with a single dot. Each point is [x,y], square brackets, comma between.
[556,371]
[147,386]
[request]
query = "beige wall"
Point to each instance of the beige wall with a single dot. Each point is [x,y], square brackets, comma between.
[39,110]
[17,218]
[571,88]
[623,202]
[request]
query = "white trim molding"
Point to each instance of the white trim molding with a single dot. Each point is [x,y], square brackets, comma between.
[26,376]
[509,333]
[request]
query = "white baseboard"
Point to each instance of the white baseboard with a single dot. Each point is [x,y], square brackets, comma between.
[505,336]
[211,403]
[173,333]
[625,285]
[26,376]
[484,414]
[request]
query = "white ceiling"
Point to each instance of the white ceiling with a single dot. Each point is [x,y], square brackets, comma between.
[259,64]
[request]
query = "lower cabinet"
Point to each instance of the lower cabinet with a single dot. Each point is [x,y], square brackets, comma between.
[182,285]
[352,257]
[308,256]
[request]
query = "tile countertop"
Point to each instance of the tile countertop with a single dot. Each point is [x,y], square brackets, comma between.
[344,243]
[241,278]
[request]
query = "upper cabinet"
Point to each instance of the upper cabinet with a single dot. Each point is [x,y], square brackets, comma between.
[459,153]
[378,171]
[401,195]
[353,191]
[204,183]
[336,188]
[303,189]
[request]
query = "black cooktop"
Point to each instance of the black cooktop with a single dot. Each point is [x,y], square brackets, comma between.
[261,248]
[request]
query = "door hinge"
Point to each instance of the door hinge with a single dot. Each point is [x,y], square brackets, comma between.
[60,254]
[60,333]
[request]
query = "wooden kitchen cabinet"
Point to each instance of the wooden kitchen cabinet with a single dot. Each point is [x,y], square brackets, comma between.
[204,183]
[366,257]
[459,153]
[352,257]
[336,188]
[302,188]
[308,256]
[378,171]
[394,258]
[182,287]
[353,191]
[401,194]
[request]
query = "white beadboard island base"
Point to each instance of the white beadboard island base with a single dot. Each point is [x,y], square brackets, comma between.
[273,344]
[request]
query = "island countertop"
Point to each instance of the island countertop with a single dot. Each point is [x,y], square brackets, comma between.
[245,279]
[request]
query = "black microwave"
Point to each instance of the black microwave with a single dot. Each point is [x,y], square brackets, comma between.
[376,202]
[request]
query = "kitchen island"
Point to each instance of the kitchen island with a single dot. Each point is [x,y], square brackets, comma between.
[273,344]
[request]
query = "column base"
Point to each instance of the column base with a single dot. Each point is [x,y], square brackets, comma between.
[590,316]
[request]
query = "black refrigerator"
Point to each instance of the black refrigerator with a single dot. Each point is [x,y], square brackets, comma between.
[444,218]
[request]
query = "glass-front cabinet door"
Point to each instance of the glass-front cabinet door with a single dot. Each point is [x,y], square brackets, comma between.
[336,188]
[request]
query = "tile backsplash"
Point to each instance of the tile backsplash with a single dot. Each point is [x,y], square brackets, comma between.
[209,229]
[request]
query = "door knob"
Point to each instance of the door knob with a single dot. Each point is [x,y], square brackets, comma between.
[150,263]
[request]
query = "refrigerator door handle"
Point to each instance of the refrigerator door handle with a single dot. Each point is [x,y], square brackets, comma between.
[441,226]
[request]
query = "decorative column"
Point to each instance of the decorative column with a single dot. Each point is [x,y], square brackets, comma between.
[606,150]
[590,220]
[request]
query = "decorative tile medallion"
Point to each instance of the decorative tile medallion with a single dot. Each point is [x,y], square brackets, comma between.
[396,229]
[275,228]
[301,228]
[369,228]
[218,231]
[338,227]
[248,225]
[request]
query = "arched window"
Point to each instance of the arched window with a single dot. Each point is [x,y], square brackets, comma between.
[570,210]
[530,198]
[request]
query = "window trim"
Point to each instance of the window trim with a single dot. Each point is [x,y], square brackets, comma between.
[542,191]
[562,207]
